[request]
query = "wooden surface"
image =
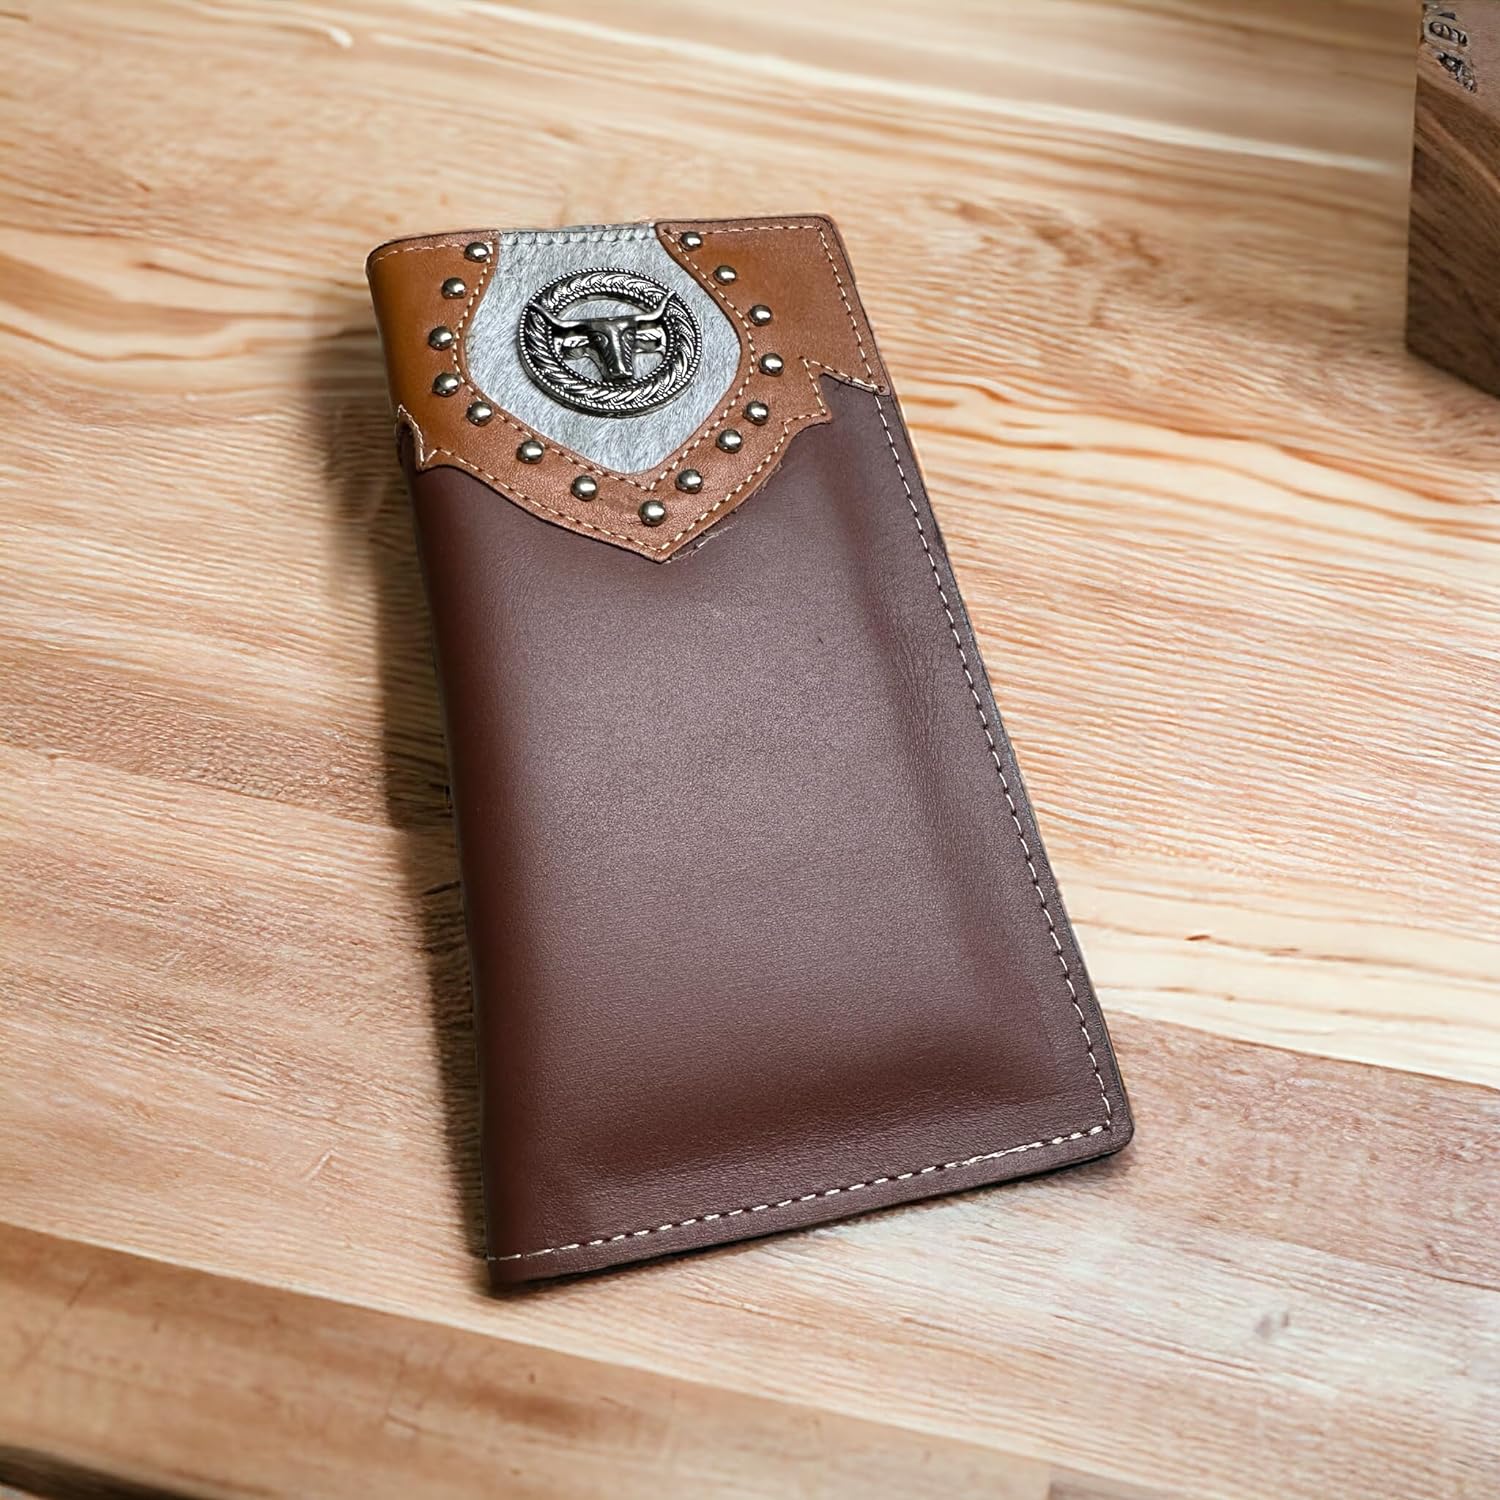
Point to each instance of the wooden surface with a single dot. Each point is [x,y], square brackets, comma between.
[1138,271]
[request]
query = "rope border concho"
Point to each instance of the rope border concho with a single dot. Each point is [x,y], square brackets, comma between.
[562,382]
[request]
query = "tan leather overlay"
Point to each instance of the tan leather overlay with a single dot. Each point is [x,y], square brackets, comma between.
[795,266]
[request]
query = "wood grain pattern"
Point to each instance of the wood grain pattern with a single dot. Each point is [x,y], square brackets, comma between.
[312,1397]
[1137,270]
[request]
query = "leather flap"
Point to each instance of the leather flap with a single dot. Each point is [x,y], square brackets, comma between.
[631,383]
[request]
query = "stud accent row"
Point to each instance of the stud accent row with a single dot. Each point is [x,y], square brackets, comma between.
[585,487]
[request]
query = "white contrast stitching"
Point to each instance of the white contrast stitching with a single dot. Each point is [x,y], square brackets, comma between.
[703,434]
[761,1208]
[385,254]
[531,236]
[458,328]
[756,226]
[1010,801]
[527,502]
[844,375]
[530,502]
[405,419]
[984,722]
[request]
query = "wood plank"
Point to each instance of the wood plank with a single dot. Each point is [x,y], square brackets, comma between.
[193,1385]
[1336,1227]
[1138,271]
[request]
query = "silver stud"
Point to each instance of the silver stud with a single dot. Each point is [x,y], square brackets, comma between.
[724,274]
[440,338]
[530,452]
[477,251]
[446,384]
[730,441]
[584,488]
[454,287]
[479,412]
[760,314]
[653,512]
[757,412]
[691,240]
[689,481]
[772,364]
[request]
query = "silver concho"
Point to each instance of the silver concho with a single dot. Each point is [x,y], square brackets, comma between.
[614,364]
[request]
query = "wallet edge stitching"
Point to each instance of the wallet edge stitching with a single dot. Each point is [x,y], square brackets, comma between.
[984,722]
[760,1208]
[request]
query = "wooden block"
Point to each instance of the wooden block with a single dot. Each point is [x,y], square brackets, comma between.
[1453,304]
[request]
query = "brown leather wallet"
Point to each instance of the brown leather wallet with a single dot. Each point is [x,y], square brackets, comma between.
[761,928]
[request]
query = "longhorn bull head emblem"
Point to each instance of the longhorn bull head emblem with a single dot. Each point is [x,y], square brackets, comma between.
[644,317]
[613,339]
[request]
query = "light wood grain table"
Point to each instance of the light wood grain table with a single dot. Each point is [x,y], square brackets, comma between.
[1138,270]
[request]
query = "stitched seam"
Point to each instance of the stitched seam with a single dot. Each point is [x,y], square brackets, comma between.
[761,1208]
[530,502]
[405,419]
[801,420]
[482,281]
[755,228]
[844,375]
[984,722]
[381,255]
[459,357]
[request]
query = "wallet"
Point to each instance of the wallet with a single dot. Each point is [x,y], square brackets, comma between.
[761,930]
